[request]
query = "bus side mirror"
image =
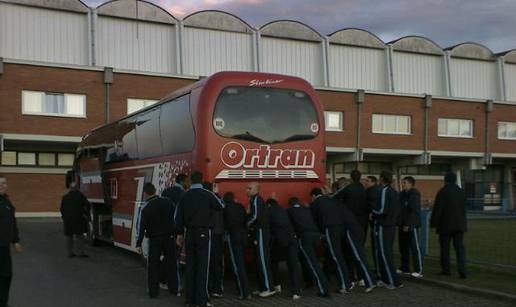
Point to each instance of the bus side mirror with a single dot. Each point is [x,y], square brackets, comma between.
[70,177]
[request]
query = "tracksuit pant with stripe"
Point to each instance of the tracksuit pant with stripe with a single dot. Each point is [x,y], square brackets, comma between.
[333,238]
[360,260]
[288,253]
[166,246]
[409,246]
[262,238]
[215,283]
[198,250]
[308,242]
[236,245]
[384,236]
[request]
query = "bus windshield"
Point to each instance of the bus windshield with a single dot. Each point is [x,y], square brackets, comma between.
[265,115]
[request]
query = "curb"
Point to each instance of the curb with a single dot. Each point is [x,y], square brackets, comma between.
[469,290]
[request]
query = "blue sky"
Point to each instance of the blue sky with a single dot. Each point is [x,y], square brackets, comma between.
[447,22]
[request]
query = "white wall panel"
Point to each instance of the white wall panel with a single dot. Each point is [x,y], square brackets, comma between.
[510,81]
[210,51]
[357,67]
[135,45]
[291,57]
[39,34]
[418,73]
[474,78]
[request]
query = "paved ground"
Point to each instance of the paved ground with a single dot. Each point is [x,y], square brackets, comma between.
[114,277]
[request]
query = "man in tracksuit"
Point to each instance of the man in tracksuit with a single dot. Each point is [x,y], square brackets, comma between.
[353,234]
[236,236]
[215,282]
[372,194]
[386,215]
[258,220]
[410,222]
[195,213]
[328,217]
[8,237]
[308,238]
[173,194]
[353,197]
[156,223]
[284,247]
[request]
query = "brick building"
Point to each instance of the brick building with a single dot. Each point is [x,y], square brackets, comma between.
[408,105]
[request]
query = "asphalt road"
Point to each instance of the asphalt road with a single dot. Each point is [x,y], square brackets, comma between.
[43,276]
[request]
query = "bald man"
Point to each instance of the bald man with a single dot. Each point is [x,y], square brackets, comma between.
[258,221]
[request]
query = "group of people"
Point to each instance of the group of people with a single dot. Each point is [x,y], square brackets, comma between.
[334,225]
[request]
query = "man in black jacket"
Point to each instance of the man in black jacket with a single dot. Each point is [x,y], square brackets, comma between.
[408,237]
[216,280]
[236,235]
[8,236]
[284,247]
[195,213]
[75,211]
[308,236]
[327,215]
[258,220]
[156,223]
[386,216]
[372,194]
[449,220]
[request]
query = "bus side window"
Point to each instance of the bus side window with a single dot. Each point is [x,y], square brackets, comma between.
[147,134]
[176,127]
[126,135]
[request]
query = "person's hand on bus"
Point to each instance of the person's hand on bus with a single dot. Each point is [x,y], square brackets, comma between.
[18,247]
[179,240]
[139,250]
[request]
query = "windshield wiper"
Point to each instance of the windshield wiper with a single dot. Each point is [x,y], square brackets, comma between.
[297,137]
[248,137]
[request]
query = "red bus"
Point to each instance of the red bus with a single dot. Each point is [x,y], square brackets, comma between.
[234,127]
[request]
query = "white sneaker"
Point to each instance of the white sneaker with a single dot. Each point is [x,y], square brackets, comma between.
[277,288]
[416,275]
[256,292]
[163,286]
[266,293]
[361,283]
[296,297]
[380,284]
[399,271]
[344,291]
[369,289]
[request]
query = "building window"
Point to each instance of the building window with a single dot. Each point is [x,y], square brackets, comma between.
[53,104]
[431,170]
[507,130]
[65,159]
[450,127]
[27,158]
[333,120]
[8,158]
[46,159]
[134,105]
[391,124]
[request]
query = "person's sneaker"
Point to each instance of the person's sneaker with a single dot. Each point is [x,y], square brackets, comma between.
[369,289]
[393,287]
[416,275]
[344,291]
[277,288]
[401,272]
[296,297]
[380,284]
[256,292]
[266,293]
[163,286]
[216,295]
[352,286]
[361,283]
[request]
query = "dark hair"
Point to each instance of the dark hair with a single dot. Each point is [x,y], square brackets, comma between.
[228,197]
[450,177]
[356,175]
[335,186]
[293,201]
[271,201]
[316,191]
[386,177]
[372,178]
[208,185]
[410,180]
[149,188]
[196,177]
[181,178]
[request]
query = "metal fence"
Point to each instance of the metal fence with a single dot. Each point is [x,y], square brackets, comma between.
[490,239]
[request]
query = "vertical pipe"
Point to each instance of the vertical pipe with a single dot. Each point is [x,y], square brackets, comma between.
[390,79]
[447,60]
[487,154]
[325,44]
[360,101]
[181,68]
[254,48]
[90,38]
[258,50]
[501,78]
[428,105]
[177,28]
[94,23]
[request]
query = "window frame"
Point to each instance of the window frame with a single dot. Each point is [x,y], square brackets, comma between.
[341,121]
[409,117]
[65,115]
[472,128]
[506,138]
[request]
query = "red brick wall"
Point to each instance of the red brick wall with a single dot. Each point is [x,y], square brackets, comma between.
[341,102]
[25,77]
[36,192]
[460,110]
[503,113]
